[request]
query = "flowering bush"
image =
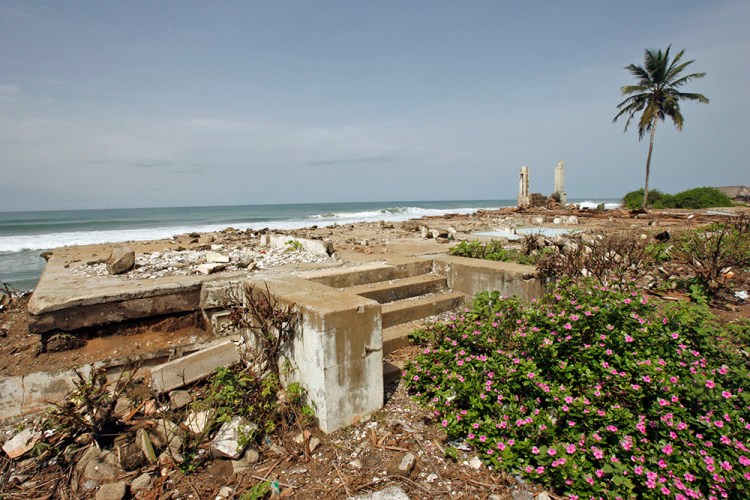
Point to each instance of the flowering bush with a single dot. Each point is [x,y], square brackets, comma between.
[595,392]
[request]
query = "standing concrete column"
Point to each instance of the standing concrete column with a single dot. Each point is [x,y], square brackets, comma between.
[524,200]
[560,181]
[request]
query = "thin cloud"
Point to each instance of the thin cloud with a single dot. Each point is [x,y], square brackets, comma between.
[346,161]
[151,164]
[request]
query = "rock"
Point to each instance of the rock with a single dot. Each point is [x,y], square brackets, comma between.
[521,495]
[435,233]
[123,406]
[401,464]
[217,257]
[210,268]
[21,443]
[357,463]
[101,468]
[197,423]
[247,461]
[425,232]
[143,440]
[314,443]
[226,443]
[142,482]
[121,260]
[543,496]
[389,493]
[112,491]
[475,463]
[90,454]
[131,456]
[442,239]
[180,399]
[226,492]
[163,433]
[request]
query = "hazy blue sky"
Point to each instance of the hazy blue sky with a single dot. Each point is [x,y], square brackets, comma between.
[159,103]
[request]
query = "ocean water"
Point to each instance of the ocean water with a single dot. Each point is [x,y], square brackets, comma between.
[24,235]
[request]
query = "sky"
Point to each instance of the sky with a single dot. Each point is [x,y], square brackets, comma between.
[192,103]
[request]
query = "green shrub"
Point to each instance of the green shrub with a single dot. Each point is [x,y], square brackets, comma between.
[702,197]
[594,391]
[492,250]
[634,199]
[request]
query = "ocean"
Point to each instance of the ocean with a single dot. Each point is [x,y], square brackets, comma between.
[25,235]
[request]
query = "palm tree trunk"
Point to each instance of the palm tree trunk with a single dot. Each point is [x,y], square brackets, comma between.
[648,164]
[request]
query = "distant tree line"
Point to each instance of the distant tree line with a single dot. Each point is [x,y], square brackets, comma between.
[702,197]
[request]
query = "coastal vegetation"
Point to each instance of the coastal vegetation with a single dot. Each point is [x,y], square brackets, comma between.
[702,197]
[595,391]
[656,96]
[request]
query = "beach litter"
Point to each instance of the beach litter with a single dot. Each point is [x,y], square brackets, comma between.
[742,295]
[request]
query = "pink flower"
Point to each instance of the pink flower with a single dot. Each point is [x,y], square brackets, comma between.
[571,448]
[664,490]
[710,384]
[567,326]
[719,423]
[530,374]
[628,338]
[667,449]
[534,450]
[726,394]
[445,423]
[744,460]
[552,452]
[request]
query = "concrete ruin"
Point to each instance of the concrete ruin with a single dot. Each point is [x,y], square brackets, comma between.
[527,199]
[351,317]
[559,192]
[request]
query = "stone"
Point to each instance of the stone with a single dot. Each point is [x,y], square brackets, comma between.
[401,464]
[357,463]
[112,491]
[198,422]
[217,257]
[91,453]
[389,493]
[121,260]
[521,495]
[21,443]
[142,482]
[247,461]
[313,444]
[131,456]
[101,468]
[425,232]
[435,233]
[475,463]
[143,441]
[180,399]
[210,268]
[543,496]
[226,492]
[163,432]
[226,443]
[194,367]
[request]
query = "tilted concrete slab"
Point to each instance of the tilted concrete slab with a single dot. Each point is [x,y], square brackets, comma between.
[369,273]
[388,291]
[194,367]
[65,301]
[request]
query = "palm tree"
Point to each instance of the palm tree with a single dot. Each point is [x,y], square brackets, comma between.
[657,95]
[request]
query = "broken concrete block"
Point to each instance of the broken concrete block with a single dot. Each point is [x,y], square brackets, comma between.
[21,443]
[101,468]
[217,257]
[194,367]
[227,442]
[317,247]
[210,268]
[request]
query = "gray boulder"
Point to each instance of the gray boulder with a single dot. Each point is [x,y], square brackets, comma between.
[121,260]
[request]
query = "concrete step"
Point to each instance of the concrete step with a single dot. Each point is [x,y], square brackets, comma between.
[392,371]
[402,288]
[397,337]
[369,273]
[407,310]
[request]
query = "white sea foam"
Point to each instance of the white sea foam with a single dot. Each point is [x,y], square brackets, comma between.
[593,204]
[54,240]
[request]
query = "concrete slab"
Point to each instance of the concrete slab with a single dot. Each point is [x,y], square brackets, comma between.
[472,276]
[388,291]
[194,367]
